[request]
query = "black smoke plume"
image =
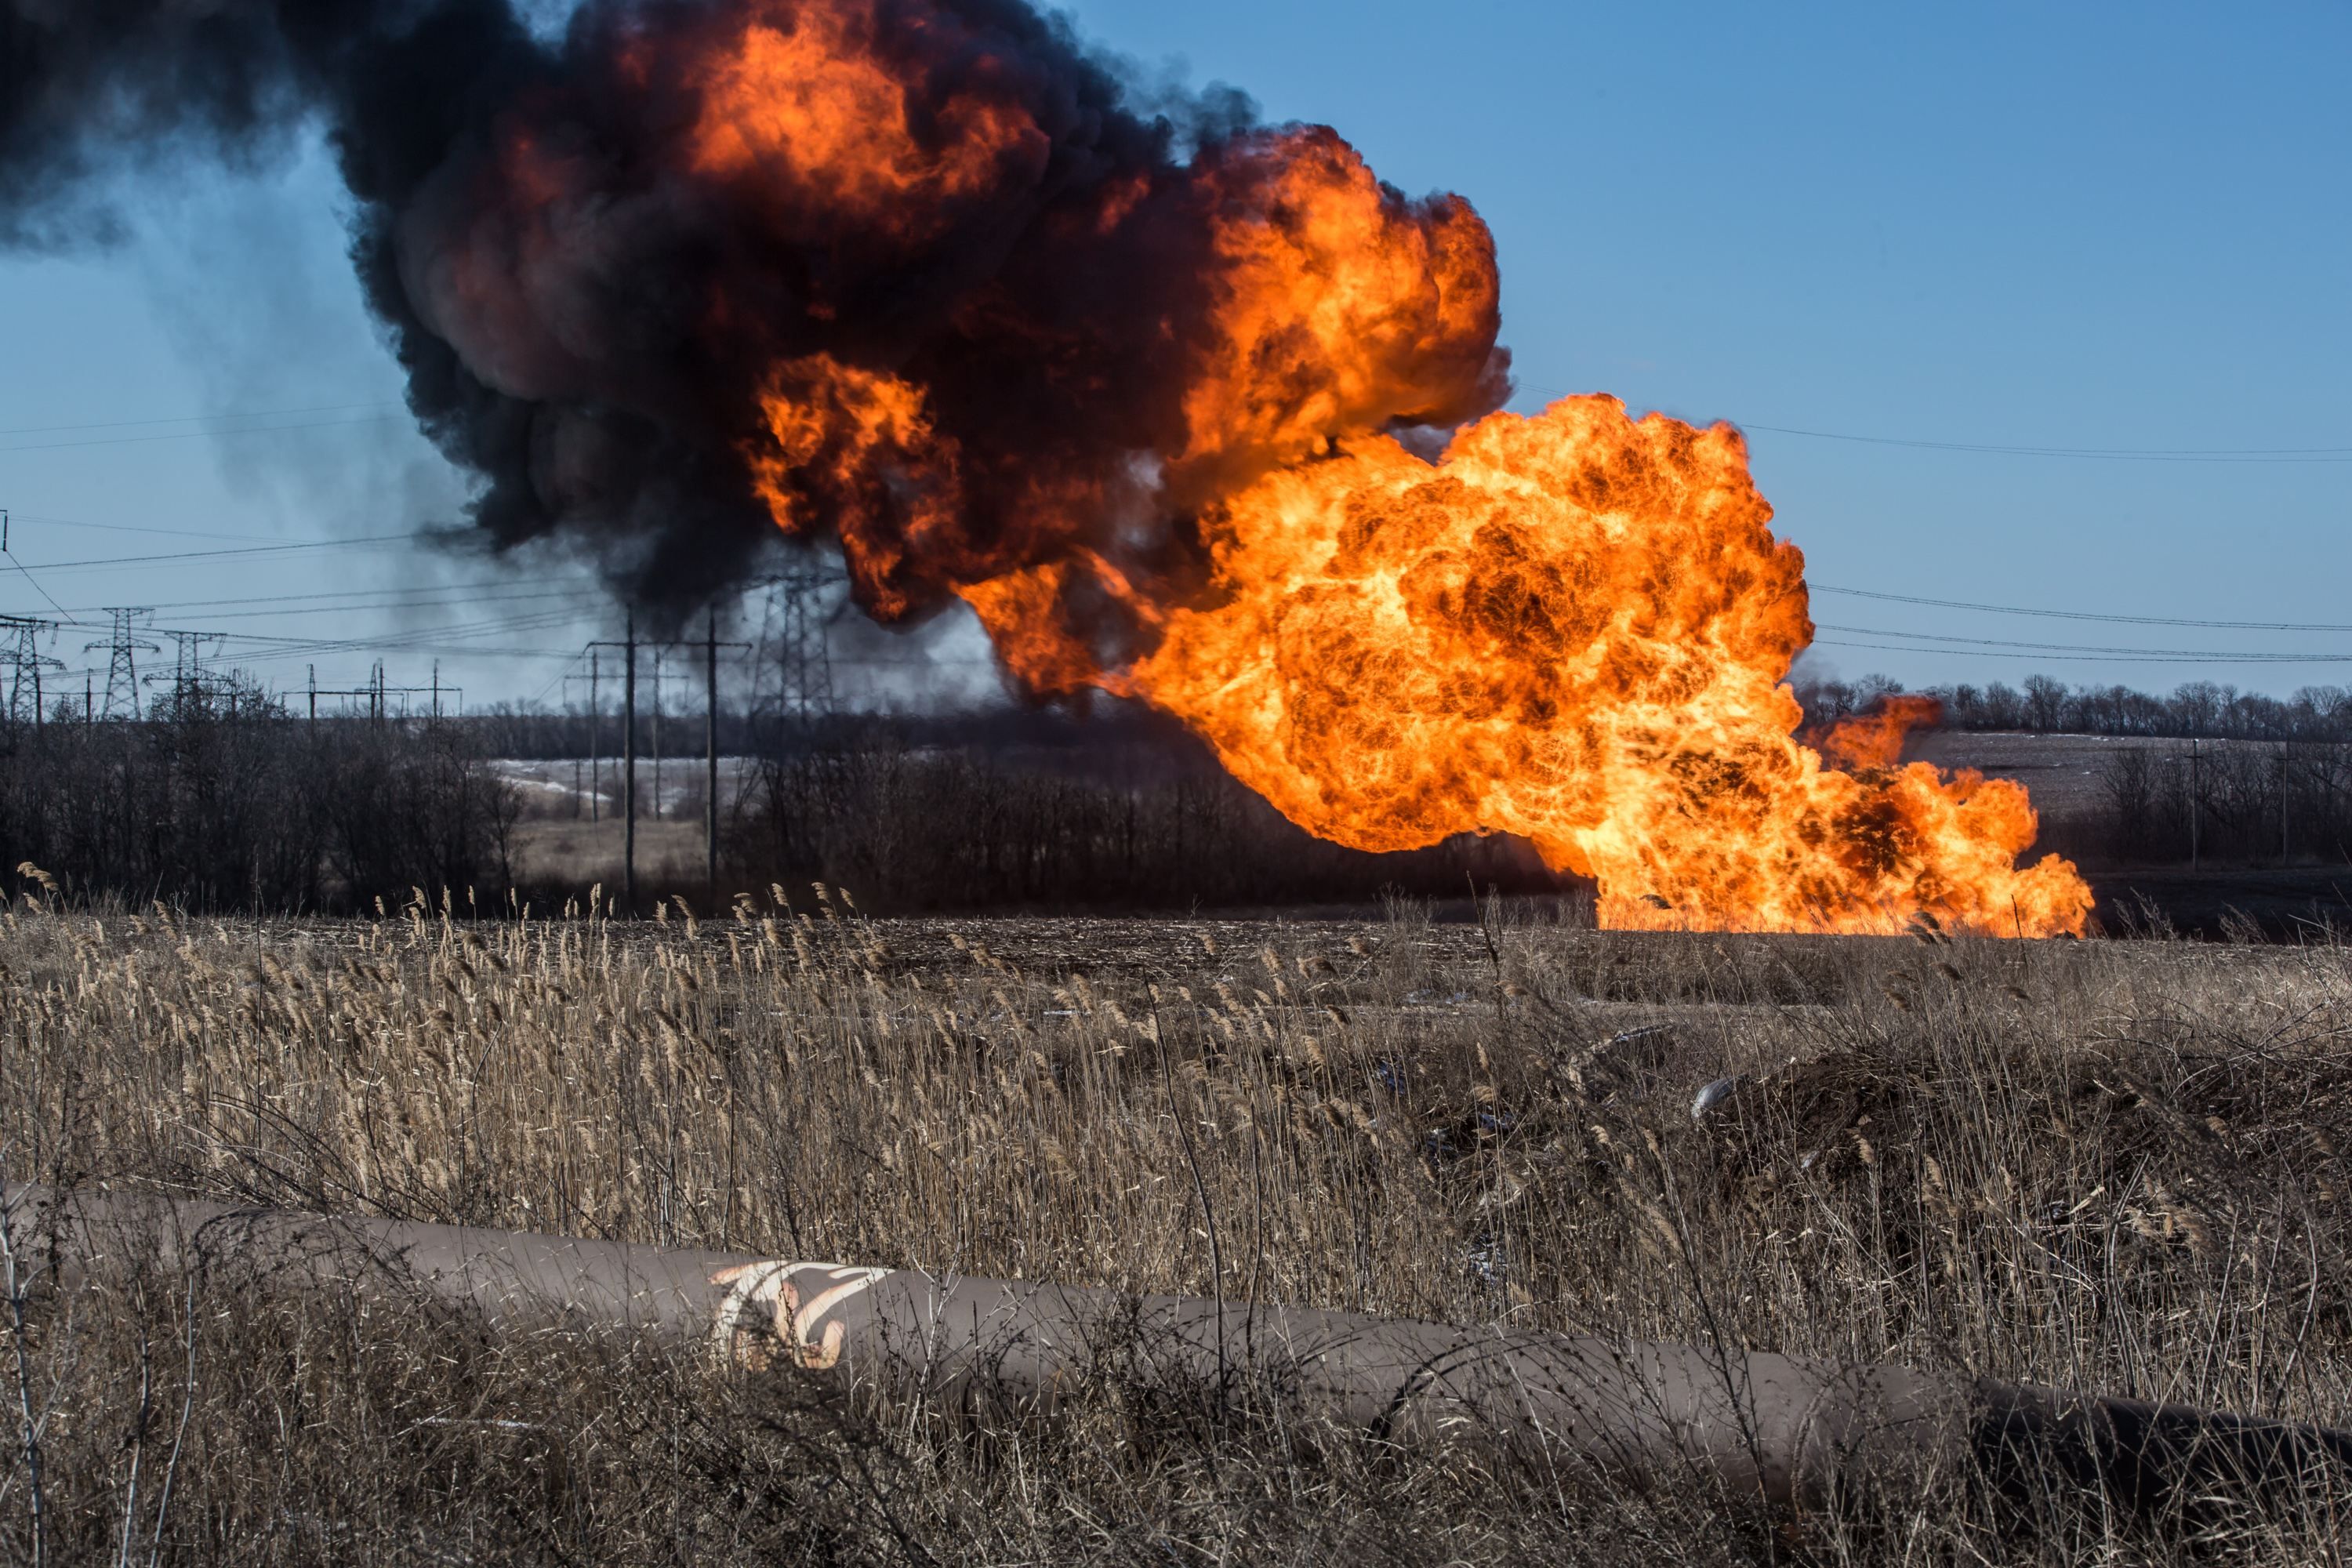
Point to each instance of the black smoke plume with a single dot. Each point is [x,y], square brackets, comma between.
[595,312]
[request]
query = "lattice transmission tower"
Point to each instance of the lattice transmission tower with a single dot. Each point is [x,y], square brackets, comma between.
[188,666]
[25,664]
[123,644]
[802,604]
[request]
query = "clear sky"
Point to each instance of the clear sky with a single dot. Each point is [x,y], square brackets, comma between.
[2085,227]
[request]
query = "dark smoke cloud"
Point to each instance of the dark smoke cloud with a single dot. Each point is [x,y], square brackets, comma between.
[588,316]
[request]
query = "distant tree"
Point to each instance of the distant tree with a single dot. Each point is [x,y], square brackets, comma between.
[2045,703]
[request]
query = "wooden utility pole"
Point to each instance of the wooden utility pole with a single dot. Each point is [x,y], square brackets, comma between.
[2196,801]
[710,756]
[628,647]
[595,723]
[710,647]
[2283,782]
[629,765]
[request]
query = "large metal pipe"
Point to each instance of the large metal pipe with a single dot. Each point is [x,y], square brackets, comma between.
[1785,1430]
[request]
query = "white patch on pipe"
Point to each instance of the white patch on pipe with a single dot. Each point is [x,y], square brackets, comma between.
[765,1308]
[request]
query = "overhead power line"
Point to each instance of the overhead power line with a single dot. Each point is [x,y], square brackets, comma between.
[587,597]
[192,435]
[2102,454]
[2092,647]
[2080,657]
[395,598]
[194,418]
[2021,449]
[135,528]
[105,562]
[2084,615]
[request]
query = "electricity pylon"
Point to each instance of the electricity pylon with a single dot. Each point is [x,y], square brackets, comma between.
[123,644]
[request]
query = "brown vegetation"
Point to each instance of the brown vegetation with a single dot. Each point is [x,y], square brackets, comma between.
[2106,1165]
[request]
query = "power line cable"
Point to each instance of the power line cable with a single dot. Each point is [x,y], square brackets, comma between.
[353,595]
[2076,657]
[102,562]
[19,565]
[192,418]
[581,596]
[135,528]
[2118,657]
[2104,453]
[2002,448]
[192,435]
[2083,615]
[2090,647]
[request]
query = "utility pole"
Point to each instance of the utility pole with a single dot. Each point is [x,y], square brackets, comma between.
[710,756]
[660,677]
[710,647]
[628,647]
[380,695]
[2282,783]
[629,765]
[2196,801]
[374,691]
[577,809]
[595,724]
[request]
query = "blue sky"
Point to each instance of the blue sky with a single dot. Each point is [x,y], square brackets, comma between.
[2079,228]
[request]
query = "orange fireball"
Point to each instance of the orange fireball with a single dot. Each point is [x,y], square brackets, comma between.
[1574,627]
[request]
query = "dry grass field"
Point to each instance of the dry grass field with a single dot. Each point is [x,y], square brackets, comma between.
[2112,1165]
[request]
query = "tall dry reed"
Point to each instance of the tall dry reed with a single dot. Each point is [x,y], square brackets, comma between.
[2110,1165]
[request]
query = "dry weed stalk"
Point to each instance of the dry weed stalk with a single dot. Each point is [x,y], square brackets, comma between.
[2109,1165]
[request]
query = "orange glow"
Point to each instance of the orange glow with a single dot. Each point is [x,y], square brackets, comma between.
[1573,628]
[804,101]
[1874,739]
[1337,307]
[855,431]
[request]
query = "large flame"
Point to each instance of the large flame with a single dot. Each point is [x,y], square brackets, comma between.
[1574,627]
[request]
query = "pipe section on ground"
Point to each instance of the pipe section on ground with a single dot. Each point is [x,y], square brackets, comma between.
[1787,1430]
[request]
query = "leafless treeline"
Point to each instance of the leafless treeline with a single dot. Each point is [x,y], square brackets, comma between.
[222,797]
[2045,705]
[2228,802]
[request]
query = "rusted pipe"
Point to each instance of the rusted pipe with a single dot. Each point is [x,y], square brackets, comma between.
[1789,1431]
